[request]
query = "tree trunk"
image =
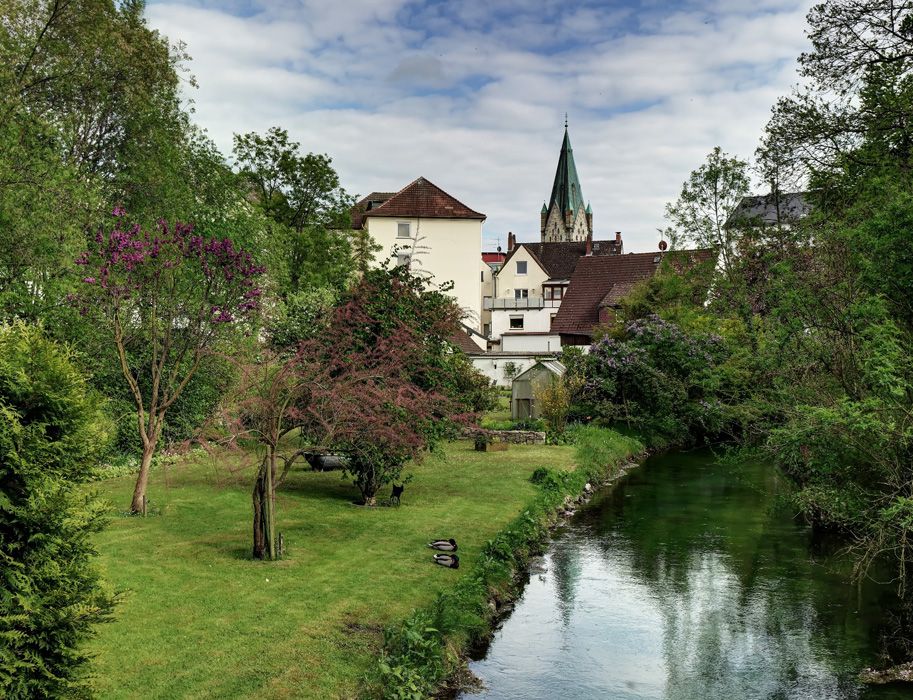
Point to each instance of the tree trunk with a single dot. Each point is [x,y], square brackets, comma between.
[139,492]
[264,502]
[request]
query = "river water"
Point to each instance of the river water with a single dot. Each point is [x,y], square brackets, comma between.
[688,580]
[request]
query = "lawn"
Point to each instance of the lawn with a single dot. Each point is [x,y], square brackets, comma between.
[199,618]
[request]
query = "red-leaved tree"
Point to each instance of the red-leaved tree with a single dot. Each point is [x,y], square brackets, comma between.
[166,299]
[365,386]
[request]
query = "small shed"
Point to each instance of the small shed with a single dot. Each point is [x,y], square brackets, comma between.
[525,386]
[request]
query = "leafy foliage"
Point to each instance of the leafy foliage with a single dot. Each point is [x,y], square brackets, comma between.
[174,294]
[50,595]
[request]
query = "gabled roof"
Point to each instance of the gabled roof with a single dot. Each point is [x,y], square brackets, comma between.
[763,209]
[553,366]
[420,198]
[558,260]
[602,281]
[566,193]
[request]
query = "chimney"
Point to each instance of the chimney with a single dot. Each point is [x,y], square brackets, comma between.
[511,241]
[618,237]
[589,244]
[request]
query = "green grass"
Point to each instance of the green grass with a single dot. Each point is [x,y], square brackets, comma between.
[200,619]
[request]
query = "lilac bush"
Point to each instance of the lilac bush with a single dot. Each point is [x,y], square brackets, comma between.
[656,377]
[172,293]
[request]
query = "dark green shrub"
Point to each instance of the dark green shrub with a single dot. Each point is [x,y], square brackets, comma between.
[50,595]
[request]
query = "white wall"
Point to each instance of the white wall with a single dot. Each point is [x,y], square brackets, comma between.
[530,343]
[492,366]
[508,279]
[453,255]
[534,320]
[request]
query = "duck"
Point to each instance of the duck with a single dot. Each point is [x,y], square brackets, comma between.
[444,545]
[451,561]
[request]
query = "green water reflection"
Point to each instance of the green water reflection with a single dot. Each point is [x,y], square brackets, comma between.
[688,581]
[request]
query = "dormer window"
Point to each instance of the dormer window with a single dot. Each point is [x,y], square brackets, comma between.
[403,229]
[521,267]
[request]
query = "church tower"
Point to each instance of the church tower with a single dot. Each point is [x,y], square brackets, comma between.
[565,217]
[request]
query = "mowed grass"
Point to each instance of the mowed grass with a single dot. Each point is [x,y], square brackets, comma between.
[200,619]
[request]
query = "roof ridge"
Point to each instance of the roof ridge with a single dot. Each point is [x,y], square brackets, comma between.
[422,181]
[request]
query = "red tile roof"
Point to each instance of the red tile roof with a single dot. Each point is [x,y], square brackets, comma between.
[422,198]
[601,281]
[461,340]
[372,201]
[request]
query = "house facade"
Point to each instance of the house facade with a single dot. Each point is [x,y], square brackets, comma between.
[433,232]
[534,277]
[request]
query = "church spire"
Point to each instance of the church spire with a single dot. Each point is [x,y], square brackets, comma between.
[566,203]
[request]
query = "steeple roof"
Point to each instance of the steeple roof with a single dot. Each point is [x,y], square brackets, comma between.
[566,192]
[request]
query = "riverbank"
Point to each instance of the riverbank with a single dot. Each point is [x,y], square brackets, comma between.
[690,578]
[198,618]
[427,654]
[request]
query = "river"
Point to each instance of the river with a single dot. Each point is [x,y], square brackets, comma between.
[690,579]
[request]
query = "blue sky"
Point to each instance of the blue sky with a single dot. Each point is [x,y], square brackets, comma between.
[472,94]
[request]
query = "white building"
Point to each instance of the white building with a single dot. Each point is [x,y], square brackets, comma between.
[434,232]
[534,277]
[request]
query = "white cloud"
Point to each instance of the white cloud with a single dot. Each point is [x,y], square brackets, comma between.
[475,101]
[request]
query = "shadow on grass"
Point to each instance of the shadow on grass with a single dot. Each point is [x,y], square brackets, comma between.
[319,485]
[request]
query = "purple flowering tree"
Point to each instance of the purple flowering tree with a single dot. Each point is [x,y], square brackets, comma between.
[176,294]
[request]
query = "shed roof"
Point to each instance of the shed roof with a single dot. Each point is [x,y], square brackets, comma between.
[552,366]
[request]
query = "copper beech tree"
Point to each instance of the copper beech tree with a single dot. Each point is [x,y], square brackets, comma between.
[166,298]
[370,386]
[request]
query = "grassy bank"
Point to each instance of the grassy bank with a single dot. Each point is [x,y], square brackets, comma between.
[427,650]
[200,619]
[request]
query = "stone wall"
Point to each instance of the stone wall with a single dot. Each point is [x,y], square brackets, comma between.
[514,437]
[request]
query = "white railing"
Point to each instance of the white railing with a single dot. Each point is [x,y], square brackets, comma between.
[523,303]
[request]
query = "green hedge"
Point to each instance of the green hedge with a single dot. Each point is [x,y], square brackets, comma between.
[420,654]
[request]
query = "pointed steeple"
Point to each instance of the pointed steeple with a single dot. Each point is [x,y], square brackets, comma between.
[566,197]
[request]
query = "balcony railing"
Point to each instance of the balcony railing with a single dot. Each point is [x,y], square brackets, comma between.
[522,303]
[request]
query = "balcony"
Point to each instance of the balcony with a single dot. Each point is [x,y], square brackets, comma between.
[499,304]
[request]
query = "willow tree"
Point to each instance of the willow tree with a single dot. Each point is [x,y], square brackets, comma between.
[166,299]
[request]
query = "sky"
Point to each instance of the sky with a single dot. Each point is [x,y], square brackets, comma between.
[472,94]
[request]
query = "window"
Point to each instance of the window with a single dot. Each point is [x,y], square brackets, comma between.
[481,275]
[516,323]
[486,330]
[403,229]
[403,259]
[521,294]
[521,267]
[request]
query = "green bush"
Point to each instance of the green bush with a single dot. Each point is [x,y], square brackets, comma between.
[50,595]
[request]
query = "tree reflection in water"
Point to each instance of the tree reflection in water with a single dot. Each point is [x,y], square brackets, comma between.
[687,581]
